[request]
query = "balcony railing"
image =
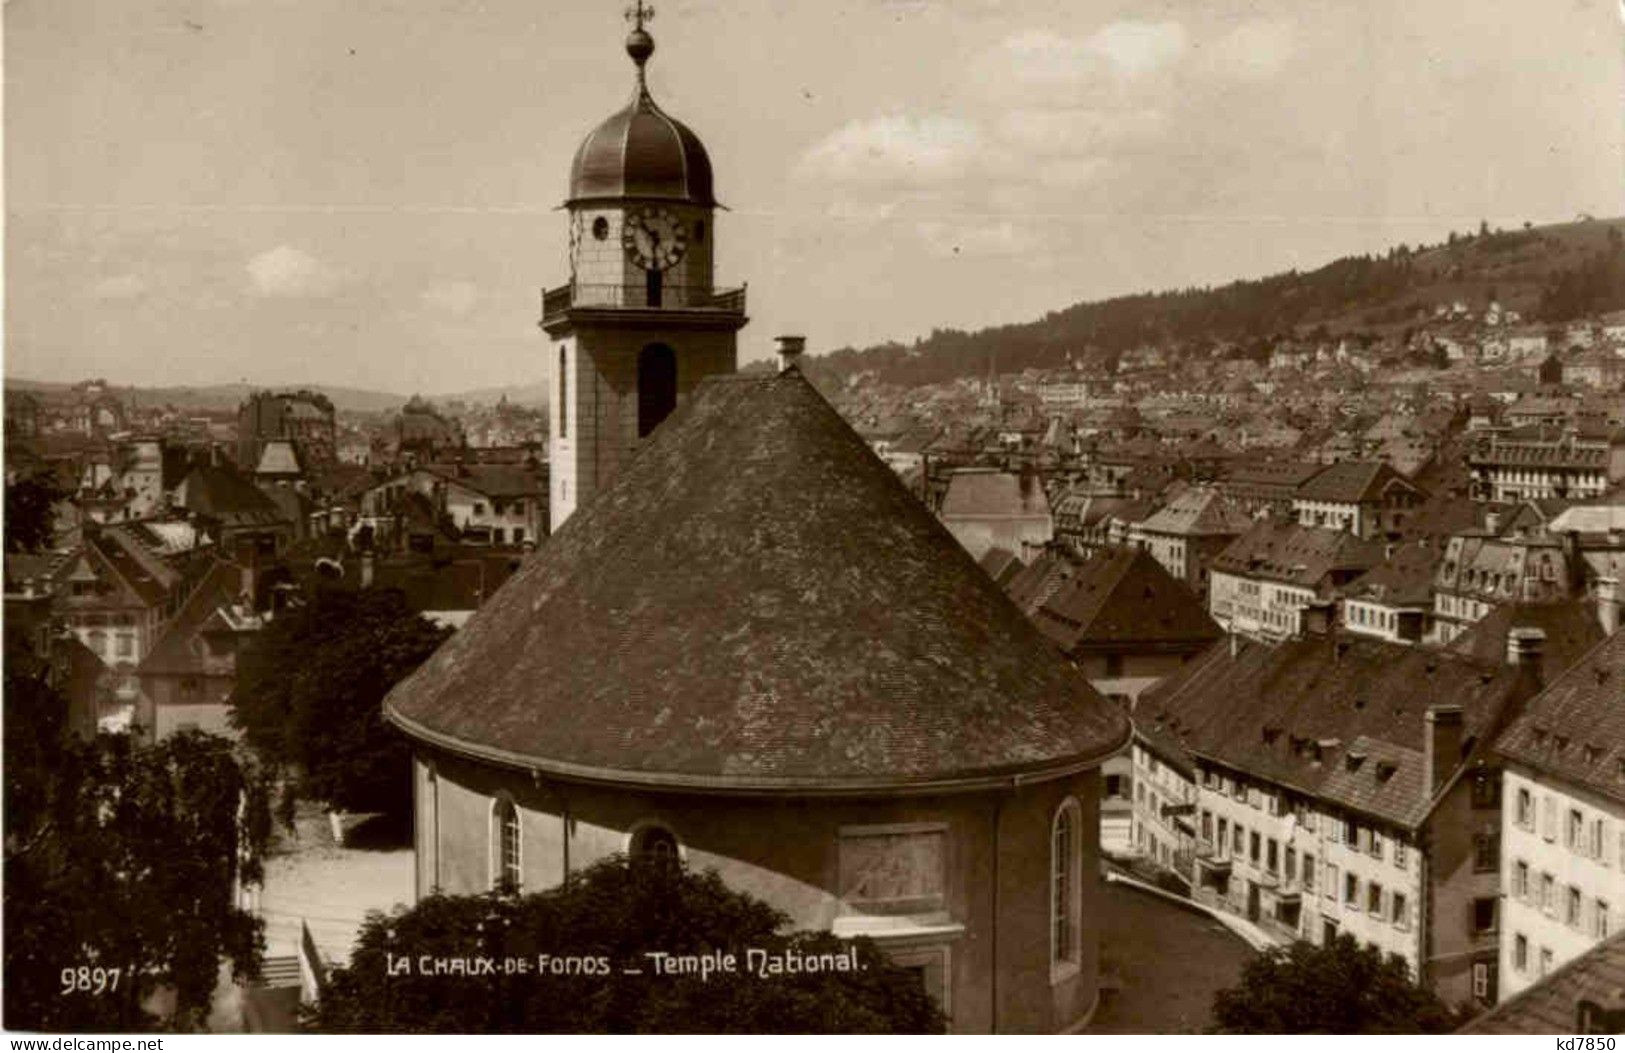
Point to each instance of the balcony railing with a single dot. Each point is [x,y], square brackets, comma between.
[642,297]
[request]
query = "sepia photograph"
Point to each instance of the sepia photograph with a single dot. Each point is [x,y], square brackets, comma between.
[877,517]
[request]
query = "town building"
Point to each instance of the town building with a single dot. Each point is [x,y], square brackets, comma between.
[1342,788]
[988,508]
[488,504]
[1369,499]
[1261,585]
[1562,830]
[1545,462]
[1480,571]
[1186,533]
[1583,997]
[305,418]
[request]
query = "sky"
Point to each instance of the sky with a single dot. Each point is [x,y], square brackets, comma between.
[365,192]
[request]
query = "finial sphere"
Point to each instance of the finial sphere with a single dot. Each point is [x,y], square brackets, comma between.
[640,45]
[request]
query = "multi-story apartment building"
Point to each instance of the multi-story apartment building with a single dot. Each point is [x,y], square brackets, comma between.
[1480,571]
[1342,787]
[1186,533]
[1263,582]
[1266,487]
[1366,498]
[1541,462]
[1394,600]
[487,503]
[305,418]
[1563,819]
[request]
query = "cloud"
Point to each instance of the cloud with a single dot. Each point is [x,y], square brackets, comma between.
[1124,49]
[896,149]
[119,287]
[456,297]
[287,271]
[1256,50]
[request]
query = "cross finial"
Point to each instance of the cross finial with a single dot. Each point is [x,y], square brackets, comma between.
[639,13]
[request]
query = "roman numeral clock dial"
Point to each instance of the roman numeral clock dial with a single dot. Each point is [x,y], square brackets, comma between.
[654,239]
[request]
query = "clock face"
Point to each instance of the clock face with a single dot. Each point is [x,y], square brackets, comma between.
[654,238]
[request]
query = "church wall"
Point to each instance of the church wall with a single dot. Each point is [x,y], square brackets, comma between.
[789,853]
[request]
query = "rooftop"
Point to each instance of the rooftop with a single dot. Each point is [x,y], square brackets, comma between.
[757,604]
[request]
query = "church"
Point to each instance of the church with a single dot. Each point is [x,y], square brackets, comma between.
[748,646]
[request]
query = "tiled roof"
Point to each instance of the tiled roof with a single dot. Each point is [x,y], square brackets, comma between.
[1571,629]
[1552,1006]
[1405,578]
[179,651]
[1124,597]
[1199,511]
[1353,482]
[756,604]
[1574,730]
[223,494]
[978,492]
[1294,554]
[493,480]
[1264,710]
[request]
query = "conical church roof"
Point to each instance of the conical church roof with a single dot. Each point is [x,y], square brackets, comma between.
[757,604]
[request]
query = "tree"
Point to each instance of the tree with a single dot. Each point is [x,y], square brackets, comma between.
[1340,988]
[310,690]
[602,921]
[122,856]
[29,502]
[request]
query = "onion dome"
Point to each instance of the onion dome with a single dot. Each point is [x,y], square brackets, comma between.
[641,152]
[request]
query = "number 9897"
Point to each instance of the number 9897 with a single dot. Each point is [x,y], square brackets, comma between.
[89,980]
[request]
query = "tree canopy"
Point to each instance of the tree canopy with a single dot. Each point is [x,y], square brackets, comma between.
[612,916]
[121,856]
[310,689]
[29,500]
[1341,988]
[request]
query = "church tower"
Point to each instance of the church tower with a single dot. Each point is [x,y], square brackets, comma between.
[640,322]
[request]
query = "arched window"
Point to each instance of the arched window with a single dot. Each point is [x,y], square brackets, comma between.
[657,386]
[505,859]
[654,844]
[1066,901]
[564,395]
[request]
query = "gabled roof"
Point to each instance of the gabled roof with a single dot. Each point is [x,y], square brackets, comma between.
[1124,598]
[1264,710]
[179,651]
[1354,482]
[1571,629]
[227,496]
[1552,1005]
[1405,578]
[1198,511]
[1294,554]
[1574,730]
[757,605]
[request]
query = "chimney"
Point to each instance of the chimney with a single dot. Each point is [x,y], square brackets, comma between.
[790,349]
[1608,605]
[366,570]
[1526,648]
[1441,744]
[1492,520]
